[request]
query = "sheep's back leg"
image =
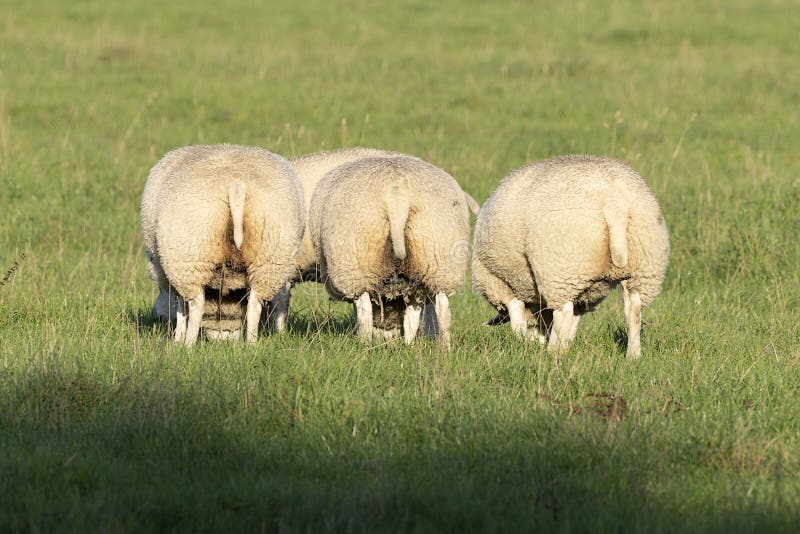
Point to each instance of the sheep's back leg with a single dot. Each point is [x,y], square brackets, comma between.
[196,307]
[254,307]
[517,318]
[181,317]
[411,320]
[573,329]
[633,317]
[279,307]
[563,325]
[364,316]
[445,319]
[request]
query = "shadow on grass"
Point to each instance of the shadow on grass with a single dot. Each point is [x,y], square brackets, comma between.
[299,323]
[620,335]
[146,323]
[81,455]
[321,321]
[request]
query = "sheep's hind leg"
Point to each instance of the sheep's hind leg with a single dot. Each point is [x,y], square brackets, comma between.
[196,307]
[364,316]
[279,307]
[519,319]
[445,319]
[411,320]
[181,317]
[516,316]
[633,318]
[563,320]
[254,308]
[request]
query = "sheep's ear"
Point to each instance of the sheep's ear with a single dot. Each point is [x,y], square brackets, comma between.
[500,318]
[474,207]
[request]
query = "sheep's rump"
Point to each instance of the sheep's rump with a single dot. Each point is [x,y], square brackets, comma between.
[310,169]
[351,230]
[544,234]
[196,224]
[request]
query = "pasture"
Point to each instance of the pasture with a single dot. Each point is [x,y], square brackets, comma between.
[107,426]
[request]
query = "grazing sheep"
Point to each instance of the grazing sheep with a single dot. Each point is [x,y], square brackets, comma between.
[221,316]
[390,234]
[555,238]
[221,218]
[310,169]
[166,304]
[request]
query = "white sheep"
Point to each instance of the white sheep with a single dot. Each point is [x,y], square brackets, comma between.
[390,234]
[166,304]
[310,169]
[220,217]
[555,238]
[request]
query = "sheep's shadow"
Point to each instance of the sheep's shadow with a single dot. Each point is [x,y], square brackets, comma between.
[316,320]
[620,336]
[299,323]
[146,323]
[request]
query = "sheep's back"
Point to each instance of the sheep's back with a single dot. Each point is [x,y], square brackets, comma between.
[437,231]
[548,219]
[310,169]
[194,228]
[350,227]
[158,173]
[351,235]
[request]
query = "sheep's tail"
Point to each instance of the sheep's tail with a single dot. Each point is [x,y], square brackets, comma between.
[615,212]
[474,207]
[396,198]
[236,194]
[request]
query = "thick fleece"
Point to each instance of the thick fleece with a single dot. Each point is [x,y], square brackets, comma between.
[555,238]
[390,234]
[310,169]
[221,217]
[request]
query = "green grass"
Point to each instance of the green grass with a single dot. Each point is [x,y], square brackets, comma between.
[106,426]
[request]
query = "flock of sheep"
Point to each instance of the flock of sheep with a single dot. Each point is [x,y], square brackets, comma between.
[229,229]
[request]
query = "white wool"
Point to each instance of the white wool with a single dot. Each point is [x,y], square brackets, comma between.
[555,238]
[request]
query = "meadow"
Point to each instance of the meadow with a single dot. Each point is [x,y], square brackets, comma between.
[105,425]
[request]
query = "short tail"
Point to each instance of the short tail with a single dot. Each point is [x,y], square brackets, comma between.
[236,194]
[397,205]
[615,212]
[474,207]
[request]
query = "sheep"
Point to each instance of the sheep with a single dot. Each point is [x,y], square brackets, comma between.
[390,234]
[310,169]
[556,236]
[221,217]
[166,304]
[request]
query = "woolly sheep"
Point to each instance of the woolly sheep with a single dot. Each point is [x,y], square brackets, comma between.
[166,303]
[310,169]
[220,217]
[390,234]
[224,311]
[555,238]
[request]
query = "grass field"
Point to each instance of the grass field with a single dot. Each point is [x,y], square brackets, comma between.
[106,426]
